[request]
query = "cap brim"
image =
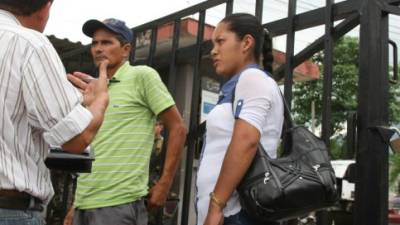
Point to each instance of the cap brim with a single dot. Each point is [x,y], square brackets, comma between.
[92,25]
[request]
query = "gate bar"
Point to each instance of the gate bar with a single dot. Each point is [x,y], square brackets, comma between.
[328,67]
[259,9]
[133,50]
[172,64]
[229,7]
[371,191]
[194,119]
[289,53]
[153,46]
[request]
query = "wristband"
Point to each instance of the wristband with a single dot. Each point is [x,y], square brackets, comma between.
[216,201]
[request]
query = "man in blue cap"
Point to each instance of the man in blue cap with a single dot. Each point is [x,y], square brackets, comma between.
[115,190]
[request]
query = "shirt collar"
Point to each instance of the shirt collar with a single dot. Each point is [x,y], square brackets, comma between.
[121,70]
[231,83]
[8,17]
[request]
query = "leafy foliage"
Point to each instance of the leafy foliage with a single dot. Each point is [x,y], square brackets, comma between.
[394,161]
[344,88]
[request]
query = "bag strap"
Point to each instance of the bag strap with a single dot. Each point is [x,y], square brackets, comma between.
[286,113]
[288,120]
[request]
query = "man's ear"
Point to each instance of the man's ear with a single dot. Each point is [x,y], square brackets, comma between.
[43,15]
[37,20]
[127,49]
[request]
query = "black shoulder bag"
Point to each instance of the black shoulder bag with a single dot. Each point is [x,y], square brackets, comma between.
[300,181]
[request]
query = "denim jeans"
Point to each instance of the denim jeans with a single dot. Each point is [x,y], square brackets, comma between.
[241,218]
[20,217]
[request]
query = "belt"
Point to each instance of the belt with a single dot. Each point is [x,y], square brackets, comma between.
[13,199]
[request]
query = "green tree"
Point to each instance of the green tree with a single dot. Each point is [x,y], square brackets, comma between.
[344,88]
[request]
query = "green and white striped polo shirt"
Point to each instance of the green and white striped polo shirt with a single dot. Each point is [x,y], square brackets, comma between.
[124,142]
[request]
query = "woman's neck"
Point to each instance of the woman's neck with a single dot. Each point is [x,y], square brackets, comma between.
[245,65]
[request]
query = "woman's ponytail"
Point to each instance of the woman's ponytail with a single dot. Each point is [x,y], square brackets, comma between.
[267,58]
[243,24]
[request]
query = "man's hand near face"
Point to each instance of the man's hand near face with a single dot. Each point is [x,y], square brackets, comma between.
[91,88]
[95,98]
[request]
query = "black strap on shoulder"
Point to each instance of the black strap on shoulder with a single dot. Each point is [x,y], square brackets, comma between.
[288,120]
[286,126]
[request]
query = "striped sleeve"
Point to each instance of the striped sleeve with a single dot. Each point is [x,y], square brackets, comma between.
[53,104]
[156,94]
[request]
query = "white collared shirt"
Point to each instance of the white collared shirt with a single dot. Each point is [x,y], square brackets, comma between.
[38,108]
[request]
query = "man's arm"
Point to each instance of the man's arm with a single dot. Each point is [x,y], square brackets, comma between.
[80,142]
[95,97]
[54,105]
[176,140]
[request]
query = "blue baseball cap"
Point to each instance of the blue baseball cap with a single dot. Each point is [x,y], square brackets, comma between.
[114,25]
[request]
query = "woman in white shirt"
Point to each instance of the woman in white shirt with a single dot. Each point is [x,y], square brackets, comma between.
[234,131]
